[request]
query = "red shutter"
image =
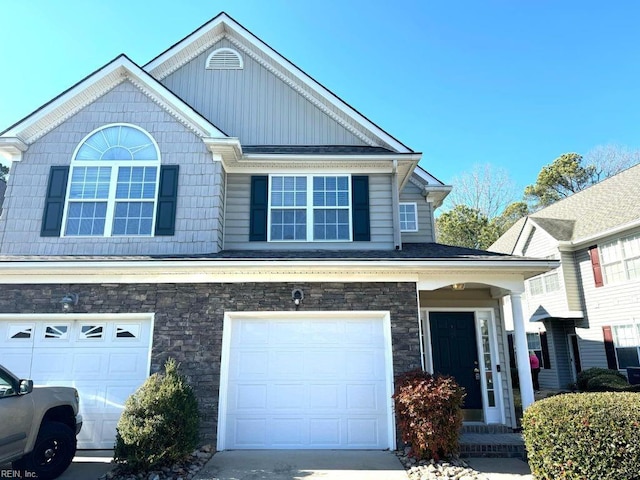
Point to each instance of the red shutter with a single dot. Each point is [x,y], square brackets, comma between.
[595,265]
[609,348]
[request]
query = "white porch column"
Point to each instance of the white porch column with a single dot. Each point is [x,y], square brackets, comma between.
[522,351]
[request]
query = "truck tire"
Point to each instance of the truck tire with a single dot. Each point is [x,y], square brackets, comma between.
[52,453]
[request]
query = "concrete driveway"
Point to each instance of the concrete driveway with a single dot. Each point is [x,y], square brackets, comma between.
[303,465]
[89,465]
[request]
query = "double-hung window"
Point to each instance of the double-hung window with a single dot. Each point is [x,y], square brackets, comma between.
[113,184]
[310,208]
[621,259]
[544,284]
[627,343]
[408,217]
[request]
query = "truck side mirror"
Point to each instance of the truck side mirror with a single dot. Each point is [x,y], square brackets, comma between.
[26,386]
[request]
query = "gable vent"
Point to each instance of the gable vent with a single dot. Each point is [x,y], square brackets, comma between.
[224,59]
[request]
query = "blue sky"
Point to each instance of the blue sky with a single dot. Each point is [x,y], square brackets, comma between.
[512,83]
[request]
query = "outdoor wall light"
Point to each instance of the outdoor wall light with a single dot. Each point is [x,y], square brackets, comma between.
[68,301]
[458,286]
[297,295]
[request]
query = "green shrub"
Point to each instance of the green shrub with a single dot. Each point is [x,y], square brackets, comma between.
[606,383]
[588,374]
[159,424]
[584,436]
[429,413]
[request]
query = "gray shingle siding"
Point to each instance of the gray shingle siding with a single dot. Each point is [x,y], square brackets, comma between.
[254,105]
[199,189]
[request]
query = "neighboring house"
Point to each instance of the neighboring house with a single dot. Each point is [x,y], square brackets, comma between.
[587,312]
[219,206]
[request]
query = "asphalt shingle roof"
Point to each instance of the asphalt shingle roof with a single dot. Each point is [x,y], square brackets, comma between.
[315,149]
[411,251]
[611,203]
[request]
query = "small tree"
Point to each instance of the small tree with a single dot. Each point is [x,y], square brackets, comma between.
[159,424]
[429,413]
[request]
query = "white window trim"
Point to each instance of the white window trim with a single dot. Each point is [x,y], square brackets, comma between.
[309,207]
[415,211]
[543,279]
[614,330]
[622,260]
[111,198]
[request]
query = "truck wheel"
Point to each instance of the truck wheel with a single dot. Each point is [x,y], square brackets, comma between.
[52,453]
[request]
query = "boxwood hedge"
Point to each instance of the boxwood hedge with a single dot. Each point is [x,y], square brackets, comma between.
[584,436]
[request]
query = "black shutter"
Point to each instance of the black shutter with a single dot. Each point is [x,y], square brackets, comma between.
[546,359]
[609,348]
[54,203]
[258,209]
[360,208]
[167,200]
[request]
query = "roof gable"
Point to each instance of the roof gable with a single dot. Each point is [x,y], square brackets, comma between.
[71,101]
[224,27]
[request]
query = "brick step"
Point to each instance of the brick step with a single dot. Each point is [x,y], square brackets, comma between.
[495,445]
[486,429]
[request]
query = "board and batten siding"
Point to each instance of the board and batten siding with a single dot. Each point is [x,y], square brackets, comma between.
[611,304]
[236,231]
[412,194]
[198,214]
[254,105]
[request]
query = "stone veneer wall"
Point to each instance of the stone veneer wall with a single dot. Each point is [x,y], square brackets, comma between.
[189,318]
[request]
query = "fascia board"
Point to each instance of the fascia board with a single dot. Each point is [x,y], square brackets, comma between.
[124,67]
[231,26]
[206,271]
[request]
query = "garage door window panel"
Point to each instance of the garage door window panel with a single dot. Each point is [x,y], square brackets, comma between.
[59,332]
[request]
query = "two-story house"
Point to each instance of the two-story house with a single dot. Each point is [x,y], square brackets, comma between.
[586,313]
[219,206]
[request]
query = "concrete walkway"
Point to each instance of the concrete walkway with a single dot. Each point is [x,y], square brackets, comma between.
[501,468]
[303,465]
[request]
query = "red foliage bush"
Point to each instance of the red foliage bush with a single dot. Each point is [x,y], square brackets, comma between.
[429,413]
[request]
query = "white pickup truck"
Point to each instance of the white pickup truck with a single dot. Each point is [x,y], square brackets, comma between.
[38,427]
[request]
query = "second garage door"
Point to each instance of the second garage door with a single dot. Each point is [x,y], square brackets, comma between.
[105,357]
[313,381]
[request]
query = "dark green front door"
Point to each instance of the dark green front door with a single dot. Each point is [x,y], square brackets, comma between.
[455,351]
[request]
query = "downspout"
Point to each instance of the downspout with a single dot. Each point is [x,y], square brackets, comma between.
[395,201]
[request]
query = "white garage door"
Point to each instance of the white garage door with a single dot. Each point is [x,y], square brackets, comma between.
[106,360]
[307,382]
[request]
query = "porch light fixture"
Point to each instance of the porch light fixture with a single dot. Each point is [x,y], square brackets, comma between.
[458,286]
[297,295]
[68,301]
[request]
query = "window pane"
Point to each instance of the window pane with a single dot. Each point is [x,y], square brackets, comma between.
[133,218]
[533,341]
[551,282]
[288,224]
[287,191]
[132,182]
[330,224]
[90,183]
[627,357]
[614,272]
[609,252]
[86,218]
[119,142]
[408,220]
[631,246]
[535,286]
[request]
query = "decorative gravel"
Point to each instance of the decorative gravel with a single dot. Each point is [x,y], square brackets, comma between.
[184,470]
[455,469]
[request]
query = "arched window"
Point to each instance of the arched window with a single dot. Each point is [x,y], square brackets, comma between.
[113,184]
